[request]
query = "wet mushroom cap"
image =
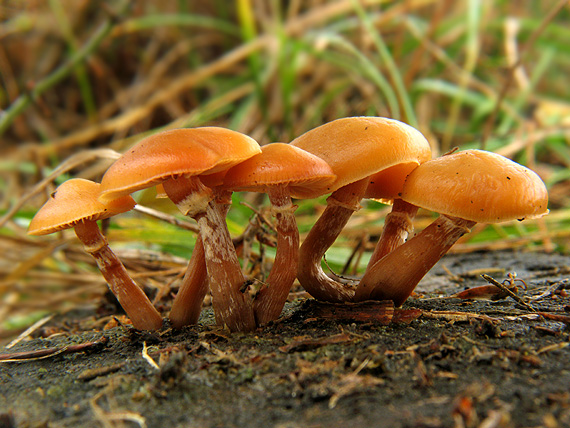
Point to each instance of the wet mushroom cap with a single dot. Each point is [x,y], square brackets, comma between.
[74,201]
[358,147]
[479,186]
[173,153]
[306,175]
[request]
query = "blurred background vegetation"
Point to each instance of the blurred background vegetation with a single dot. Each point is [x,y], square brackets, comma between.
[82,80]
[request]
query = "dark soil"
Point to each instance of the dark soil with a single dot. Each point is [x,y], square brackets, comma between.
[440,362]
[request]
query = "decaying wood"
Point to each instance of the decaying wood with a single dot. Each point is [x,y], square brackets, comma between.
[369,311]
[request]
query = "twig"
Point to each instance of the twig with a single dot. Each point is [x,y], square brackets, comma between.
[455,316]
[550,290]
[503,287]
[555,317]
[90,374]
[167,218]
[260,215]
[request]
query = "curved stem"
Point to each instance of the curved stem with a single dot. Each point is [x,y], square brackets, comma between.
[396,275]
[340,207]
[188,301]
[270,300]
[132,299]
[397,227]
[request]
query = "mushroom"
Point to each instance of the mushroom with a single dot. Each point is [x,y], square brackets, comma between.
[468,187]
[74,204]
[280,170]
[190,163]
[355,148]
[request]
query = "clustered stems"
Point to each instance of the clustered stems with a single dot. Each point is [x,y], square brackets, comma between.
[132,299]
[271,298]
[197,167]
[397,227]
[232,308]
[340,206]
[395,276]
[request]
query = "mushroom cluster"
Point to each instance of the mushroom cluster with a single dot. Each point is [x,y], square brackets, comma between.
[465,188]
[351,158]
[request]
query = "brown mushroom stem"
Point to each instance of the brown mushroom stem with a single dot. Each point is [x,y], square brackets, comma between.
[396,275]
[188,301]
[231,307]
[340,206]
[187,304]
[132,299]
[270,300]
[397,227]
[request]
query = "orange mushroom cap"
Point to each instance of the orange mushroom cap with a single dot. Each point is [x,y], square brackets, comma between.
[477,185]
[386,185]
[74,201]
[191,151]
[358,147]
[306,175]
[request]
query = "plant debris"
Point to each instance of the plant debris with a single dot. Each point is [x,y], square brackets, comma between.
[451,362]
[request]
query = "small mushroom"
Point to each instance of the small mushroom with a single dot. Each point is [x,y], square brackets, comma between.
[355,148]
[190,163]
[468,187]
[74,204]
[281,170]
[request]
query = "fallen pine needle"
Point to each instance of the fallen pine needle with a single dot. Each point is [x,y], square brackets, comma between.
[148,358]
[40,354]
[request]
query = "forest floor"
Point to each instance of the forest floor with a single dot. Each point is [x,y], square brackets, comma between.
[437,362]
